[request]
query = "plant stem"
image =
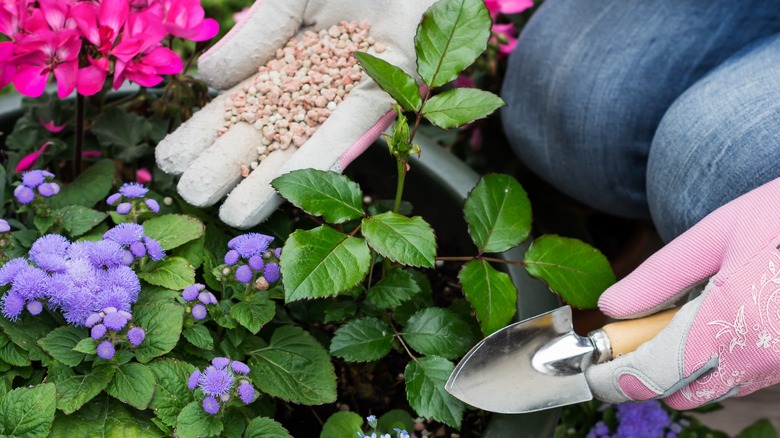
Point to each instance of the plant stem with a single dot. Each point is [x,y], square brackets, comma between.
[79,146]
[399,188]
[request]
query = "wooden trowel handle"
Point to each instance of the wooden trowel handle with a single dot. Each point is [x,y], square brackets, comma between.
[626,336]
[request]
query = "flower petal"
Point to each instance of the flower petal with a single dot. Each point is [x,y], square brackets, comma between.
[30,80]
[51,127]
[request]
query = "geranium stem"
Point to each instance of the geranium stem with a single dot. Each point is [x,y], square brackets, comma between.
[399,188]
[80,110]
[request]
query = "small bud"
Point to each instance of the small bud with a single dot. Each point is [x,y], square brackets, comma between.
[261,283]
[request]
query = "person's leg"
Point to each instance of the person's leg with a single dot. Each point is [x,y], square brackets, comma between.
[590,80]
[718,140]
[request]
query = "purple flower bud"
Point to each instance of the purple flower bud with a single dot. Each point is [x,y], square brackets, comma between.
[127,258]
[124,208]
[93,319]
[113,198]
[231,258]
[204,298]
[154,249]
[192,383]
[97,331]
[271,272]
[34,307]
[256,262]
[199,311]
[136,335]
[13,304]
[190,293]
[239,367]
[220,362]
[211,405]
[126,314]
[109,310]
[4,226]
[278,253]
[138,249]
[47,190]
[115,321]
[24,194]
[55,188]
[106,350]
[34,178]
[246,393]
[244,274]
[153,205]
[212,298]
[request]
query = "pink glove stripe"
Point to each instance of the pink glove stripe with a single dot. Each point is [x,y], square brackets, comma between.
[365,140]
[635,388]
[234,31]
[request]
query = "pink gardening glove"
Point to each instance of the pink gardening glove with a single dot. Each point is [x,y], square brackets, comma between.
[726,342]
[210,166]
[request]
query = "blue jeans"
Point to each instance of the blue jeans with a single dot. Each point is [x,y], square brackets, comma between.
[662,109]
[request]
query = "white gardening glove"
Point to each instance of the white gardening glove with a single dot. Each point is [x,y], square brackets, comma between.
[210,165]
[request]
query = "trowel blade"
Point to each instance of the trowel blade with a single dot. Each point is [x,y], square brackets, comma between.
[528,366]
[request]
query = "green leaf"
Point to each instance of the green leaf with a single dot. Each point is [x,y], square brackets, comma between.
[26,331]
[77,219]
[254,312]
[400,85]
[294,367]
[425,379]
[60,342]
[172,273]
[440,332]
[193,251]
[43,223]
[171,394]
[103,417]
[409,241]
[576,271]
[120,128]
[194,422]
[320,193]
[162,323]
[133,384]
[490,292]
[395,419]
[342,424]
[28,412]
[460,106]
[760,429]
[452,34]
[362,340]
[86,346]
[199,336]
[74,390]
[173,230]
[13,354]
[261,427]
[393,289]
[498,213]
[321,263]
[90,187]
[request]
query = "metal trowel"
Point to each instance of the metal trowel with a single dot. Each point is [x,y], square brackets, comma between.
[540,363]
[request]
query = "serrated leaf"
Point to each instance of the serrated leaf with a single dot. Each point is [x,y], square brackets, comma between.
[322,262]
[460,106]
[498,213]
[395,419]
[393,289]
[452,34]
[77,219]
[162,323]
[342,424]
[199,336]
[173,230]
[409,241]
[26,332]
[400,85]
[261,427]
[576,271]
[171,394]
[90,187]
[294,367]
[28,412]
[74,390]
[102,417]
[425,379]
[490,292]
[86,346]
[60,344]
[362,340]
[14,355]
[322,193]
[194,422]
[134,384]
[172,273]
[254,312]
[438,332]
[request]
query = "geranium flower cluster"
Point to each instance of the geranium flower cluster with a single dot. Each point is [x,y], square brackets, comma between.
[507,31]
[128,194]
[205,298]
[131,237]
[77,279]
[107,324]
[83,42]
[220,381]
[251,255]
[36,182]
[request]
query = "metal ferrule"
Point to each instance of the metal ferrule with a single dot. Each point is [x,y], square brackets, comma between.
[601,345]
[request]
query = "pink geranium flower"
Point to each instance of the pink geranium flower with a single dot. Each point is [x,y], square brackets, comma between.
[143,176]
[507,6]
[145,69]
[48,52]
[509,33]
[185,19]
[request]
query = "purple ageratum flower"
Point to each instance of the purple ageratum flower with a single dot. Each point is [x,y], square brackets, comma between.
[125,234]
[34,178]
[138,249]
[12,304]
[153,205]
[278,253]
[205,298]
[24,194]
[211,405]
[49,189]
[49,252]
[246,393]
[154,249]
[647,419]
[127,258]
[34,307]
[136,335]
[115,321]
[30,283]
[256,262]
[4,226]
[190,293]
[199,311]
[239,367]
[106,350]
[98,331]
[133,190]
[106,254]
[192,383]
[220,362]
[113,199]
[231,258]
[271,272]
[250,244]
[216,381]
[9,270]
[93,319]
[124,208]
[244,274]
